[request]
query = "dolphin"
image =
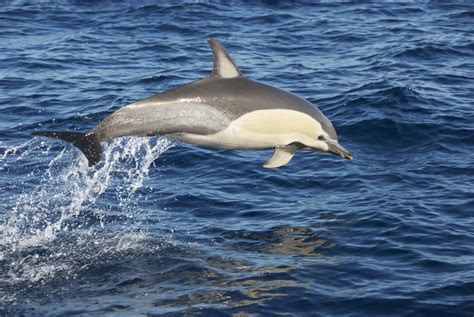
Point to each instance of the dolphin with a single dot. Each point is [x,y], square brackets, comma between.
[223,110]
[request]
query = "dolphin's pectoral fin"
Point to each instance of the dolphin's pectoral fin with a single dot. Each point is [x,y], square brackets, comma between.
[281,156]
[224,66]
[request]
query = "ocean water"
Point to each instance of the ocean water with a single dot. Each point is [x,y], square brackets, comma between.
[162,228]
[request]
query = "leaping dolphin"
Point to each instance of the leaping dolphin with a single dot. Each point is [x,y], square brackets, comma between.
[224,110]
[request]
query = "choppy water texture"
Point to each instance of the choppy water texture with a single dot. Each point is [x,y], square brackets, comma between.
[165,228]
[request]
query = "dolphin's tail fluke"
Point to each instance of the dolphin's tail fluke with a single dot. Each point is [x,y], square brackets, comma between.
[87,143]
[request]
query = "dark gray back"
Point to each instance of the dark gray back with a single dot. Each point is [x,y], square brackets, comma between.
[235,97]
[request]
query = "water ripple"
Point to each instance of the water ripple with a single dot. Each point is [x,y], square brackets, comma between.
[159,229]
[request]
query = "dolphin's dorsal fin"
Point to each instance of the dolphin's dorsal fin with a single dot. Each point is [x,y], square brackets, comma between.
[281,156]
[224,66]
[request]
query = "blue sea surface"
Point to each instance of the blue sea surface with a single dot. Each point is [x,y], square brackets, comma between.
[170,229]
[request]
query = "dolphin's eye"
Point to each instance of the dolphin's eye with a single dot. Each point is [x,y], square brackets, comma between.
[321,138]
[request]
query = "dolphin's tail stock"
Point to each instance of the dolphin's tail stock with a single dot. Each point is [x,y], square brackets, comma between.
[87,143]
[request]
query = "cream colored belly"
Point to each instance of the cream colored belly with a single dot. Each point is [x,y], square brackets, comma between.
[260,129]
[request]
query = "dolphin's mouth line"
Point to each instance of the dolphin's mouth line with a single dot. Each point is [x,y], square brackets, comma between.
[338,149]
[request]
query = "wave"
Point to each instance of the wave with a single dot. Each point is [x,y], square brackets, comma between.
[379,114]
[431,51]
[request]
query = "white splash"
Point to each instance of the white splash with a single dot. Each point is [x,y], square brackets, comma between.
[44,213]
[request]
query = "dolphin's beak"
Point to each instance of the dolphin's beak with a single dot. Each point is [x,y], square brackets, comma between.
[338,149]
